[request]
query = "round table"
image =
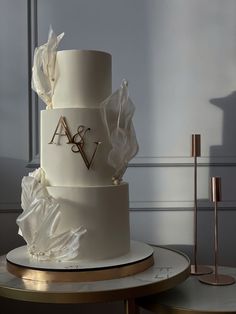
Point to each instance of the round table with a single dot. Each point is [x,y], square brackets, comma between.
[194,297]
[170,268]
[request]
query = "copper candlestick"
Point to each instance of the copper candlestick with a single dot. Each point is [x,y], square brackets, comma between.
[196,152]
[216,279]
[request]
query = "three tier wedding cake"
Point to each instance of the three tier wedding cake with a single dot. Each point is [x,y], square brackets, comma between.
[76,206]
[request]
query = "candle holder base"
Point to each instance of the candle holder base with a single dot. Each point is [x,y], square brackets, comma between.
[197,270]
[217,280]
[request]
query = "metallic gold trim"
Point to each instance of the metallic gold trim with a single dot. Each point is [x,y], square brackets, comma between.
[196,152]
[96,296]
[80,276]
[62,123]
[216,279]
[215,189]
[78,146]
[196,145]
[81,132]
[200,270]
[80,150]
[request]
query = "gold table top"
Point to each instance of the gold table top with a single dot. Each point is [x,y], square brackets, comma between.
[170,268]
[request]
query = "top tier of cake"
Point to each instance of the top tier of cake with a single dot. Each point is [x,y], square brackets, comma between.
[82,78]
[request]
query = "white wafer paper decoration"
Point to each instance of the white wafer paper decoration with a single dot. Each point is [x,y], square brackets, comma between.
[43,68]
[39,221]
[117,112]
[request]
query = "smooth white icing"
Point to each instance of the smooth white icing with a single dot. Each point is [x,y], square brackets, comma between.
[82,78]
[63,167]
[86,196]
[103,211]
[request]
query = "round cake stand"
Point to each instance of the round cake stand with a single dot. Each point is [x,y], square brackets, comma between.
[169,269]
[139,258]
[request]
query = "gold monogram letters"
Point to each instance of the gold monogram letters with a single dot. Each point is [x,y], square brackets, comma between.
[63,126]
[78,140]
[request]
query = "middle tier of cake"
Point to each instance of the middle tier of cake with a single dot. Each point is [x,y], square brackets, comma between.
[75,147]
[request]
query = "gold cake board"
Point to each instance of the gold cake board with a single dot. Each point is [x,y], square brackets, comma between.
[138,260]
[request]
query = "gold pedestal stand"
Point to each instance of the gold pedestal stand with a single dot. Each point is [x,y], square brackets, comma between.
[79,275]
[196,152]
[139,259]
[215,278]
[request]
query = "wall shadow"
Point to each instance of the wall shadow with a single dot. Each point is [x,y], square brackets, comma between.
[222,160]
[222,164]
[228,105]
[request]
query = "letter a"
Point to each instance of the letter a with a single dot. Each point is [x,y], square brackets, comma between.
[64,127]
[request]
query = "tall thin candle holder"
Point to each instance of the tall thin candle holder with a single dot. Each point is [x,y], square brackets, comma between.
[196,152]
[216,279]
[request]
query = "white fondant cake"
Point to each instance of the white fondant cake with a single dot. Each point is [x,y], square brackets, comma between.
[105,213]
[76,206]
[86,196]
[83,78]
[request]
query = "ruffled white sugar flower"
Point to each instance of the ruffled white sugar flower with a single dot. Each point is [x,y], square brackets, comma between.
[39,221]
[44,67]
[117,112]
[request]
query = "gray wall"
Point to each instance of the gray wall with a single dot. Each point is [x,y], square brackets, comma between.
[13,115]
[180,59]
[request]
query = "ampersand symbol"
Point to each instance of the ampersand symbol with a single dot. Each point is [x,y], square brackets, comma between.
[81,131]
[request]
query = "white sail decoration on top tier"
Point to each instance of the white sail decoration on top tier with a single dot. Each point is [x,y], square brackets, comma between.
[39,221]
[117,112]
[43,68]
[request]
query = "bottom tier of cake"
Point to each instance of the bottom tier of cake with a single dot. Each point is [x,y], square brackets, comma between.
[103,211]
